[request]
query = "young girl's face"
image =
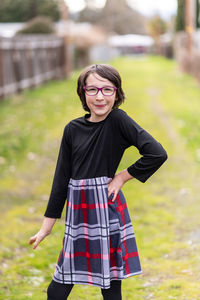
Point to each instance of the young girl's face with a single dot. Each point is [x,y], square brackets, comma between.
[100,105]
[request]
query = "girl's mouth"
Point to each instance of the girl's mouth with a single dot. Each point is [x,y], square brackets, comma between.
[102,105]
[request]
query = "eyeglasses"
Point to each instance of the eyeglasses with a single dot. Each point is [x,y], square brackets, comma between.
[105,90]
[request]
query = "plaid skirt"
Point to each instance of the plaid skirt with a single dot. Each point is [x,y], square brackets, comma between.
[99,242]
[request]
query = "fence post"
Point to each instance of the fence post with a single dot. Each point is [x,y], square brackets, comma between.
[1,73]
[190,22]
[68,57]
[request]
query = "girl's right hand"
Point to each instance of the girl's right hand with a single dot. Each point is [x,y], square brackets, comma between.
[44,231]
[37,238]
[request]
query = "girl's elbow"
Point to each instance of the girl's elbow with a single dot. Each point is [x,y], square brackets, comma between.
[163,157]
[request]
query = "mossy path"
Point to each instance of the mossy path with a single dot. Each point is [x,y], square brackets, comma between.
[164,210]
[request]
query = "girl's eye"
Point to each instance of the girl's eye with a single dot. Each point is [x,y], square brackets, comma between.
[107,89]
[91,90]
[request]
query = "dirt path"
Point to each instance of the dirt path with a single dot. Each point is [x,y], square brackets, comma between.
[165,210]
[183,188]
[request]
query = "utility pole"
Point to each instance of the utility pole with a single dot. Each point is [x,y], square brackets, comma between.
[63,10]
[190,8]
[66,35]
[199,12]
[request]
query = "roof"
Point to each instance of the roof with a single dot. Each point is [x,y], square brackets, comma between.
[10,29]
[129,40]
[81,34]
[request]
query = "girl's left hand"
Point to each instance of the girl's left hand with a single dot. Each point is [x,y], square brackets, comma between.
[114,186]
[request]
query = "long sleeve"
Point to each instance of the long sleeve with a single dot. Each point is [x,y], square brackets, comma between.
[61,178]
[153,154]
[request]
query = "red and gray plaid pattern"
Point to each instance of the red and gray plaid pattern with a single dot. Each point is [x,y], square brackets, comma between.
[99,242]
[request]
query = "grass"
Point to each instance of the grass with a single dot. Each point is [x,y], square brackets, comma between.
[164,210]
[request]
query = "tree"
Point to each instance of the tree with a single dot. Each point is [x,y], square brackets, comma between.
[89,15]
[22,11]
[157,26]
[41,25]
[197,14]
[119,18]
[180,18]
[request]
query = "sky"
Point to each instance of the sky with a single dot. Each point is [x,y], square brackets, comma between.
[147,7]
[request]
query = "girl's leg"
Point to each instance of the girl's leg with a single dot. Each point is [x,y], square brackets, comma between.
[58,291]
[114,292]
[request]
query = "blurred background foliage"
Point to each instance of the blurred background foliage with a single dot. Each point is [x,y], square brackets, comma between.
[40,25]
[23,11]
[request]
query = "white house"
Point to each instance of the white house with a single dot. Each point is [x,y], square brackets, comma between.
[131,43]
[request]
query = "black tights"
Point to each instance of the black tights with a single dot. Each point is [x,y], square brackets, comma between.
[59,291]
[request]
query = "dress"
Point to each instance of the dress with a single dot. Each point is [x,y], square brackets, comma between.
[99,242]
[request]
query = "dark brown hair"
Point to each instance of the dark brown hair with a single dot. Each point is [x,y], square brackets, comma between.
[106,71]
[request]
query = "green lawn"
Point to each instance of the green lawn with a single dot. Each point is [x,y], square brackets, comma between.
[164,210]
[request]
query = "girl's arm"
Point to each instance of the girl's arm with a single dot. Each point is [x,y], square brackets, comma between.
[44,231]
[153,155]
[62,175]
[58,192]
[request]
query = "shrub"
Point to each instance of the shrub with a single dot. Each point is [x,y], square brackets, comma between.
[38,25]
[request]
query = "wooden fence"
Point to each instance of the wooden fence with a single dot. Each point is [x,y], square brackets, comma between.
[27,61]
[189,62]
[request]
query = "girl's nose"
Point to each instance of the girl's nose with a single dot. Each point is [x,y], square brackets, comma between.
[99,95]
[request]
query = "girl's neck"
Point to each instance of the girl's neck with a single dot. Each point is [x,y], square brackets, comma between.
[96,119]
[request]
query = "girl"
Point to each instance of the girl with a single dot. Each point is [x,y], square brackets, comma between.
[99,246]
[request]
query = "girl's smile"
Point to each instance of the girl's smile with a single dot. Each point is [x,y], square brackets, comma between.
[99,104]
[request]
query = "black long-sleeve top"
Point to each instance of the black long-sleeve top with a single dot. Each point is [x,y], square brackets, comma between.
[94,149]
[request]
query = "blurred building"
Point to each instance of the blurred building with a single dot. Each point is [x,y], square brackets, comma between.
[8,30]
[131,44]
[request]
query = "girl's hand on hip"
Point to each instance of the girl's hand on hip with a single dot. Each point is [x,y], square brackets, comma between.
[117,182]
[114,186]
